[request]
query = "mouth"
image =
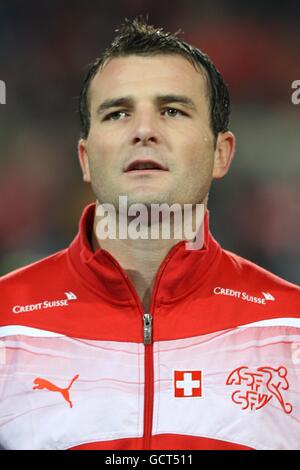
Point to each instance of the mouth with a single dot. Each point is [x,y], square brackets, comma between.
[144,166]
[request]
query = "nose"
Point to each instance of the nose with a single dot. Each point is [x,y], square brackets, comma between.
[145,127]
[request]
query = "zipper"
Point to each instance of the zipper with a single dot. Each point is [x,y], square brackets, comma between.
[149,381]
[149,361]
[147,328]
[148,342]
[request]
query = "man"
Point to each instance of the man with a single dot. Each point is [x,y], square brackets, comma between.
[144,343]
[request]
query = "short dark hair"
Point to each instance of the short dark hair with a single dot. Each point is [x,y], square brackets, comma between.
[139,38]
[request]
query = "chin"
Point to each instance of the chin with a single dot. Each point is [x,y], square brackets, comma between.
[145,198]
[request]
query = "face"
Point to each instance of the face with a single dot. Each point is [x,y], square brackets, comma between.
[152,109]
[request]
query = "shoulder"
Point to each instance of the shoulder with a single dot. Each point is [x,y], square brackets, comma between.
[31,280]
[34,270]
[250,276]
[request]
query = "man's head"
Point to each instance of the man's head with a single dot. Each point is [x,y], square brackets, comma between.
[138,38]
[151,96]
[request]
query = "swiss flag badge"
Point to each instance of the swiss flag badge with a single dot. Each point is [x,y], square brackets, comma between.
[187,383]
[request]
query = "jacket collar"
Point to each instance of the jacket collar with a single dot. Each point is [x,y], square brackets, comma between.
[181,272]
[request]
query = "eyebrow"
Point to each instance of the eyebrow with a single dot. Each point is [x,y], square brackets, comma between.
[128,101]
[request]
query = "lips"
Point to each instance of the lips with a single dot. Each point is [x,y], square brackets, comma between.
[149,164]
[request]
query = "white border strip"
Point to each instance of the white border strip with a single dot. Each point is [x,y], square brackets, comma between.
[274,322]
[12,330]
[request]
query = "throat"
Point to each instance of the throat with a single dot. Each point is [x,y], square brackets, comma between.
[143,285]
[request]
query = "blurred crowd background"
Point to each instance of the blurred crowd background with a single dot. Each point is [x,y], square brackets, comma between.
[45,49]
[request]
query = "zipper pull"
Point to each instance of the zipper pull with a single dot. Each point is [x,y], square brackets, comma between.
[147,328]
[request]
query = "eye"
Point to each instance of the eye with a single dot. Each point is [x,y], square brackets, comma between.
[115,116]
[173,112]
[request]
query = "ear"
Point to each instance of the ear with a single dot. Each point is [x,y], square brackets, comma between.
[224,153]
[84,160]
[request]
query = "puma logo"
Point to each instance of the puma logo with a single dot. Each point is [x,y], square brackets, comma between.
[41,384]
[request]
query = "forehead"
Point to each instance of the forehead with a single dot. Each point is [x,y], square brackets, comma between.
[148,76]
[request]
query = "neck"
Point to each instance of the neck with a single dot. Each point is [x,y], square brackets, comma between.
[140,258]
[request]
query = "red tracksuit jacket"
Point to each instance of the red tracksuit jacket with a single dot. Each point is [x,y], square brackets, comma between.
[215,364]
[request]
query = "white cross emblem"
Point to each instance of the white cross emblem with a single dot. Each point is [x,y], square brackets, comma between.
[187,384]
